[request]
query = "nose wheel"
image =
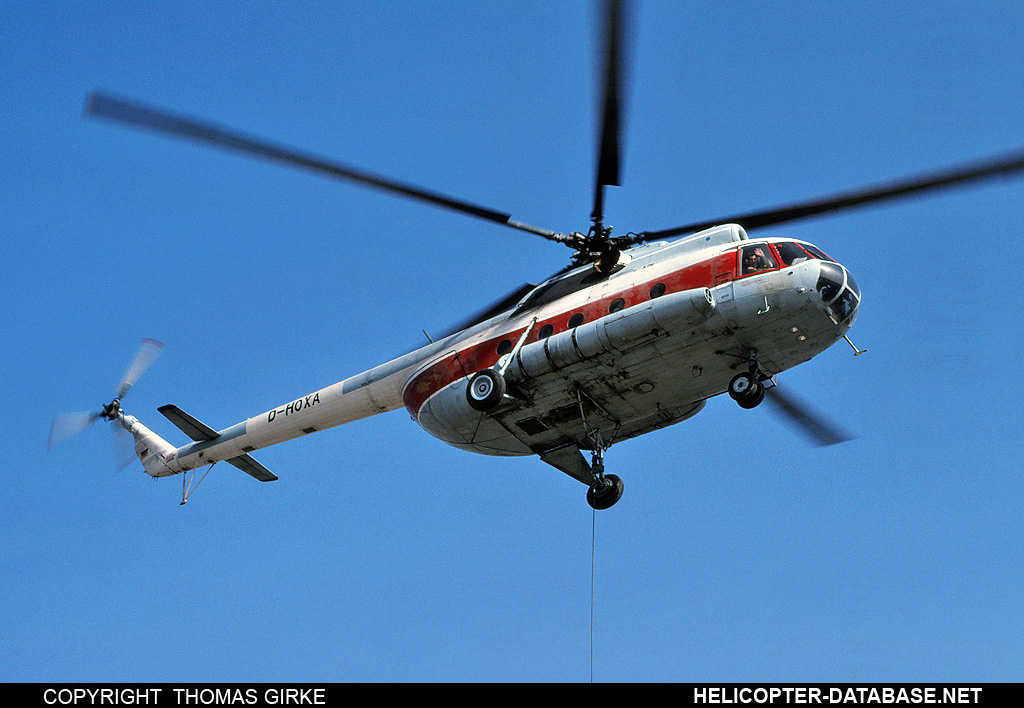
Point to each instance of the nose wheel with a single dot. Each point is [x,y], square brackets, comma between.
[746,388]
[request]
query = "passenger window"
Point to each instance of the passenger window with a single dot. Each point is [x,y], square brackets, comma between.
[658,290]
[545,331]
[791,253]
[617,304]
[754,259]
[505,347]
[576,320]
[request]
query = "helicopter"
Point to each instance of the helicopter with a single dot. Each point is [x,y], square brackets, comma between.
[635,334]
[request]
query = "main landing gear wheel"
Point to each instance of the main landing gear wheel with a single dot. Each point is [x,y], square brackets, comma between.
[605,492]
[746,390]
[486,389]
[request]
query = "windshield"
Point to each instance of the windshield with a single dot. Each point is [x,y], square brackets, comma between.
[830,282]
[816,252]
[838,290]
[791,253]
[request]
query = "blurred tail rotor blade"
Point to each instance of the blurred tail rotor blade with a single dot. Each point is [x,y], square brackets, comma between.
[124,447]
[148,353]
[68,425]
[817,428]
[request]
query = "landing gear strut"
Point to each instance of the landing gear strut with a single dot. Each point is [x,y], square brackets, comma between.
[606,489]
[186,484]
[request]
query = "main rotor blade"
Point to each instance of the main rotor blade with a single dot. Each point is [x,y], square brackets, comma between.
[819,430]
[106,106]
[147,354]
[609,155]
[1006,165]
[492,310]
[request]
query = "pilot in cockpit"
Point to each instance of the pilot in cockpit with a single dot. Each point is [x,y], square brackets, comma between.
[755,260]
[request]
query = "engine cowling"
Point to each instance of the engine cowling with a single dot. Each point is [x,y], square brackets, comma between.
[612,334]
[459,415]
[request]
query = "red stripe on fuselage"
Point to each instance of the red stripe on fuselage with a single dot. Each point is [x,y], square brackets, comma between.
[483,355]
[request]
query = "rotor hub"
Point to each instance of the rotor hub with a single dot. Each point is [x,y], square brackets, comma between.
[111,410]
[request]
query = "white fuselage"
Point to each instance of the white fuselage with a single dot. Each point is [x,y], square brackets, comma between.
[620,354]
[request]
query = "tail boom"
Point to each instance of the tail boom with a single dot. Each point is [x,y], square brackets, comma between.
[378,390]
[340,403]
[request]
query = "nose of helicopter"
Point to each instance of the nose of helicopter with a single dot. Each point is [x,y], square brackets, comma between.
[839,293]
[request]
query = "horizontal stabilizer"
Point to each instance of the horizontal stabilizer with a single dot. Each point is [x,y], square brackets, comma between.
[252,467]
[195,429]
[201,432]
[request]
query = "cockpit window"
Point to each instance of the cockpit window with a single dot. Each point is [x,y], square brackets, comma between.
[791,253]
[830,281]
[754,259]
[816,252]
[844,306]
[842,302]
[850,283]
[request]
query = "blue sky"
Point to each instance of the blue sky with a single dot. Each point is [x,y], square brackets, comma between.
[738,553]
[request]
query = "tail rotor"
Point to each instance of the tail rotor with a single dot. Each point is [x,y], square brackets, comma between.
[147,354]
[68,425]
